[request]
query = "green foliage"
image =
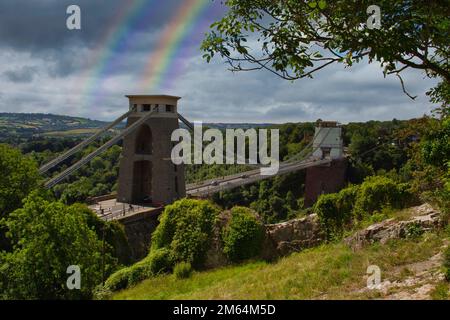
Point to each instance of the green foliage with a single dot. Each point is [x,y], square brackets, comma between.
[436,146]
[118,280]
[139,271]
[182,270]
[242,237]
[19,176]
[185,229]
[160,261]
[95,179]
[419,31]
[47,238]
[378,192]
[335,210]
[112,231]
[369,201]
[414,231]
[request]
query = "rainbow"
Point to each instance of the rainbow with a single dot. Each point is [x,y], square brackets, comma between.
[115,43]
[180,25]
[113,38]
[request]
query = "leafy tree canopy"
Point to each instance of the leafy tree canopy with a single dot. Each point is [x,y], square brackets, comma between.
[296,38]
[19,175]
[48,237]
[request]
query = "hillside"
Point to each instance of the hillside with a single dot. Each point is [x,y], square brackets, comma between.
[32,124]
[29,124]
[411,268]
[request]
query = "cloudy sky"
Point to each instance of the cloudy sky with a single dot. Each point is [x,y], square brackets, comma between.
[44,67]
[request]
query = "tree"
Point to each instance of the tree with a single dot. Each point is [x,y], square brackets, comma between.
[296,38]
[19,175]
[48,237]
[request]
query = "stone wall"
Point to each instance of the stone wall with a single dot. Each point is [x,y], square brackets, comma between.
[139,231]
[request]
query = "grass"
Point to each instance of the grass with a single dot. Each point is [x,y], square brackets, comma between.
[331,271]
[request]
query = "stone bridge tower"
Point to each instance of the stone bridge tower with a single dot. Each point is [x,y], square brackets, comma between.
[147,173]
[330,177]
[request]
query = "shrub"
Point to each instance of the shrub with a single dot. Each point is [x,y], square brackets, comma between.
[378,192]
[160,260]
[139,271]
[243,235]
[182,270]
[118,280]
[156,262]
[185,229]
[335,210]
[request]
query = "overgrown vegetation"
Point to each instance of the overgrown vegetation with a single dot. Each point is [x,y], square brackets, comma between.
[47,238]
[185,229]
[41,237]
[331,271]
[243,235]
[338,211]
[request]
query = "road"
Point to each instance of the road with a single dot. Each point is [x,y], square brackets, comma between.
[229,182]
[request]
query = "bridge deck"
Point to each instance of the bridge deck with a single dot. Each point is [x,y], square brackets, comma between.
[114,210]
[249,177]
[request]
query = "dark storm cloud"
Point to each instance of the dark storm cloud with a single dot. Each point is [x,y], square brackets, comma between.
[41,25]
[22,75]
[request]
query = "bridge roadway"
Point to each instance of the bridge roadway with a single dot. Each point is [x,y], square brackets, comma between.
[112,209]
[212,186]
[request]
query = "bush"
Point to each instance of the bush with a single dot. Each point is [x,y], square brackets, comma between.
[185,229]
[156,262]
[182,270]
[335,210]
[243,235]
[160,261]
[139,271]
[118,280]
[378,192]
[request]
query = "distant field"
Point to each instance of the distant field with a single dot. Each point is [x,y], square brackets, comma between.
[74,132]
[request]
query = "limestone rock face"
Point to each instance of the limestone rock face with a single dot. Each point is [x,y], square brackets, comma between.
[291,236]
[280,239]
[424,218]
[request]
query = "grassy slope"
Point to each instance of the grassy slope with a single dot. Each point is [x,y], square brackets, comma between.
[330,271]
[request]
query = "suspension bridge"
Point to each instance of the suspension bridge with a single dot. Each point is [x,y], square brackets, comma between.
[148,180]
